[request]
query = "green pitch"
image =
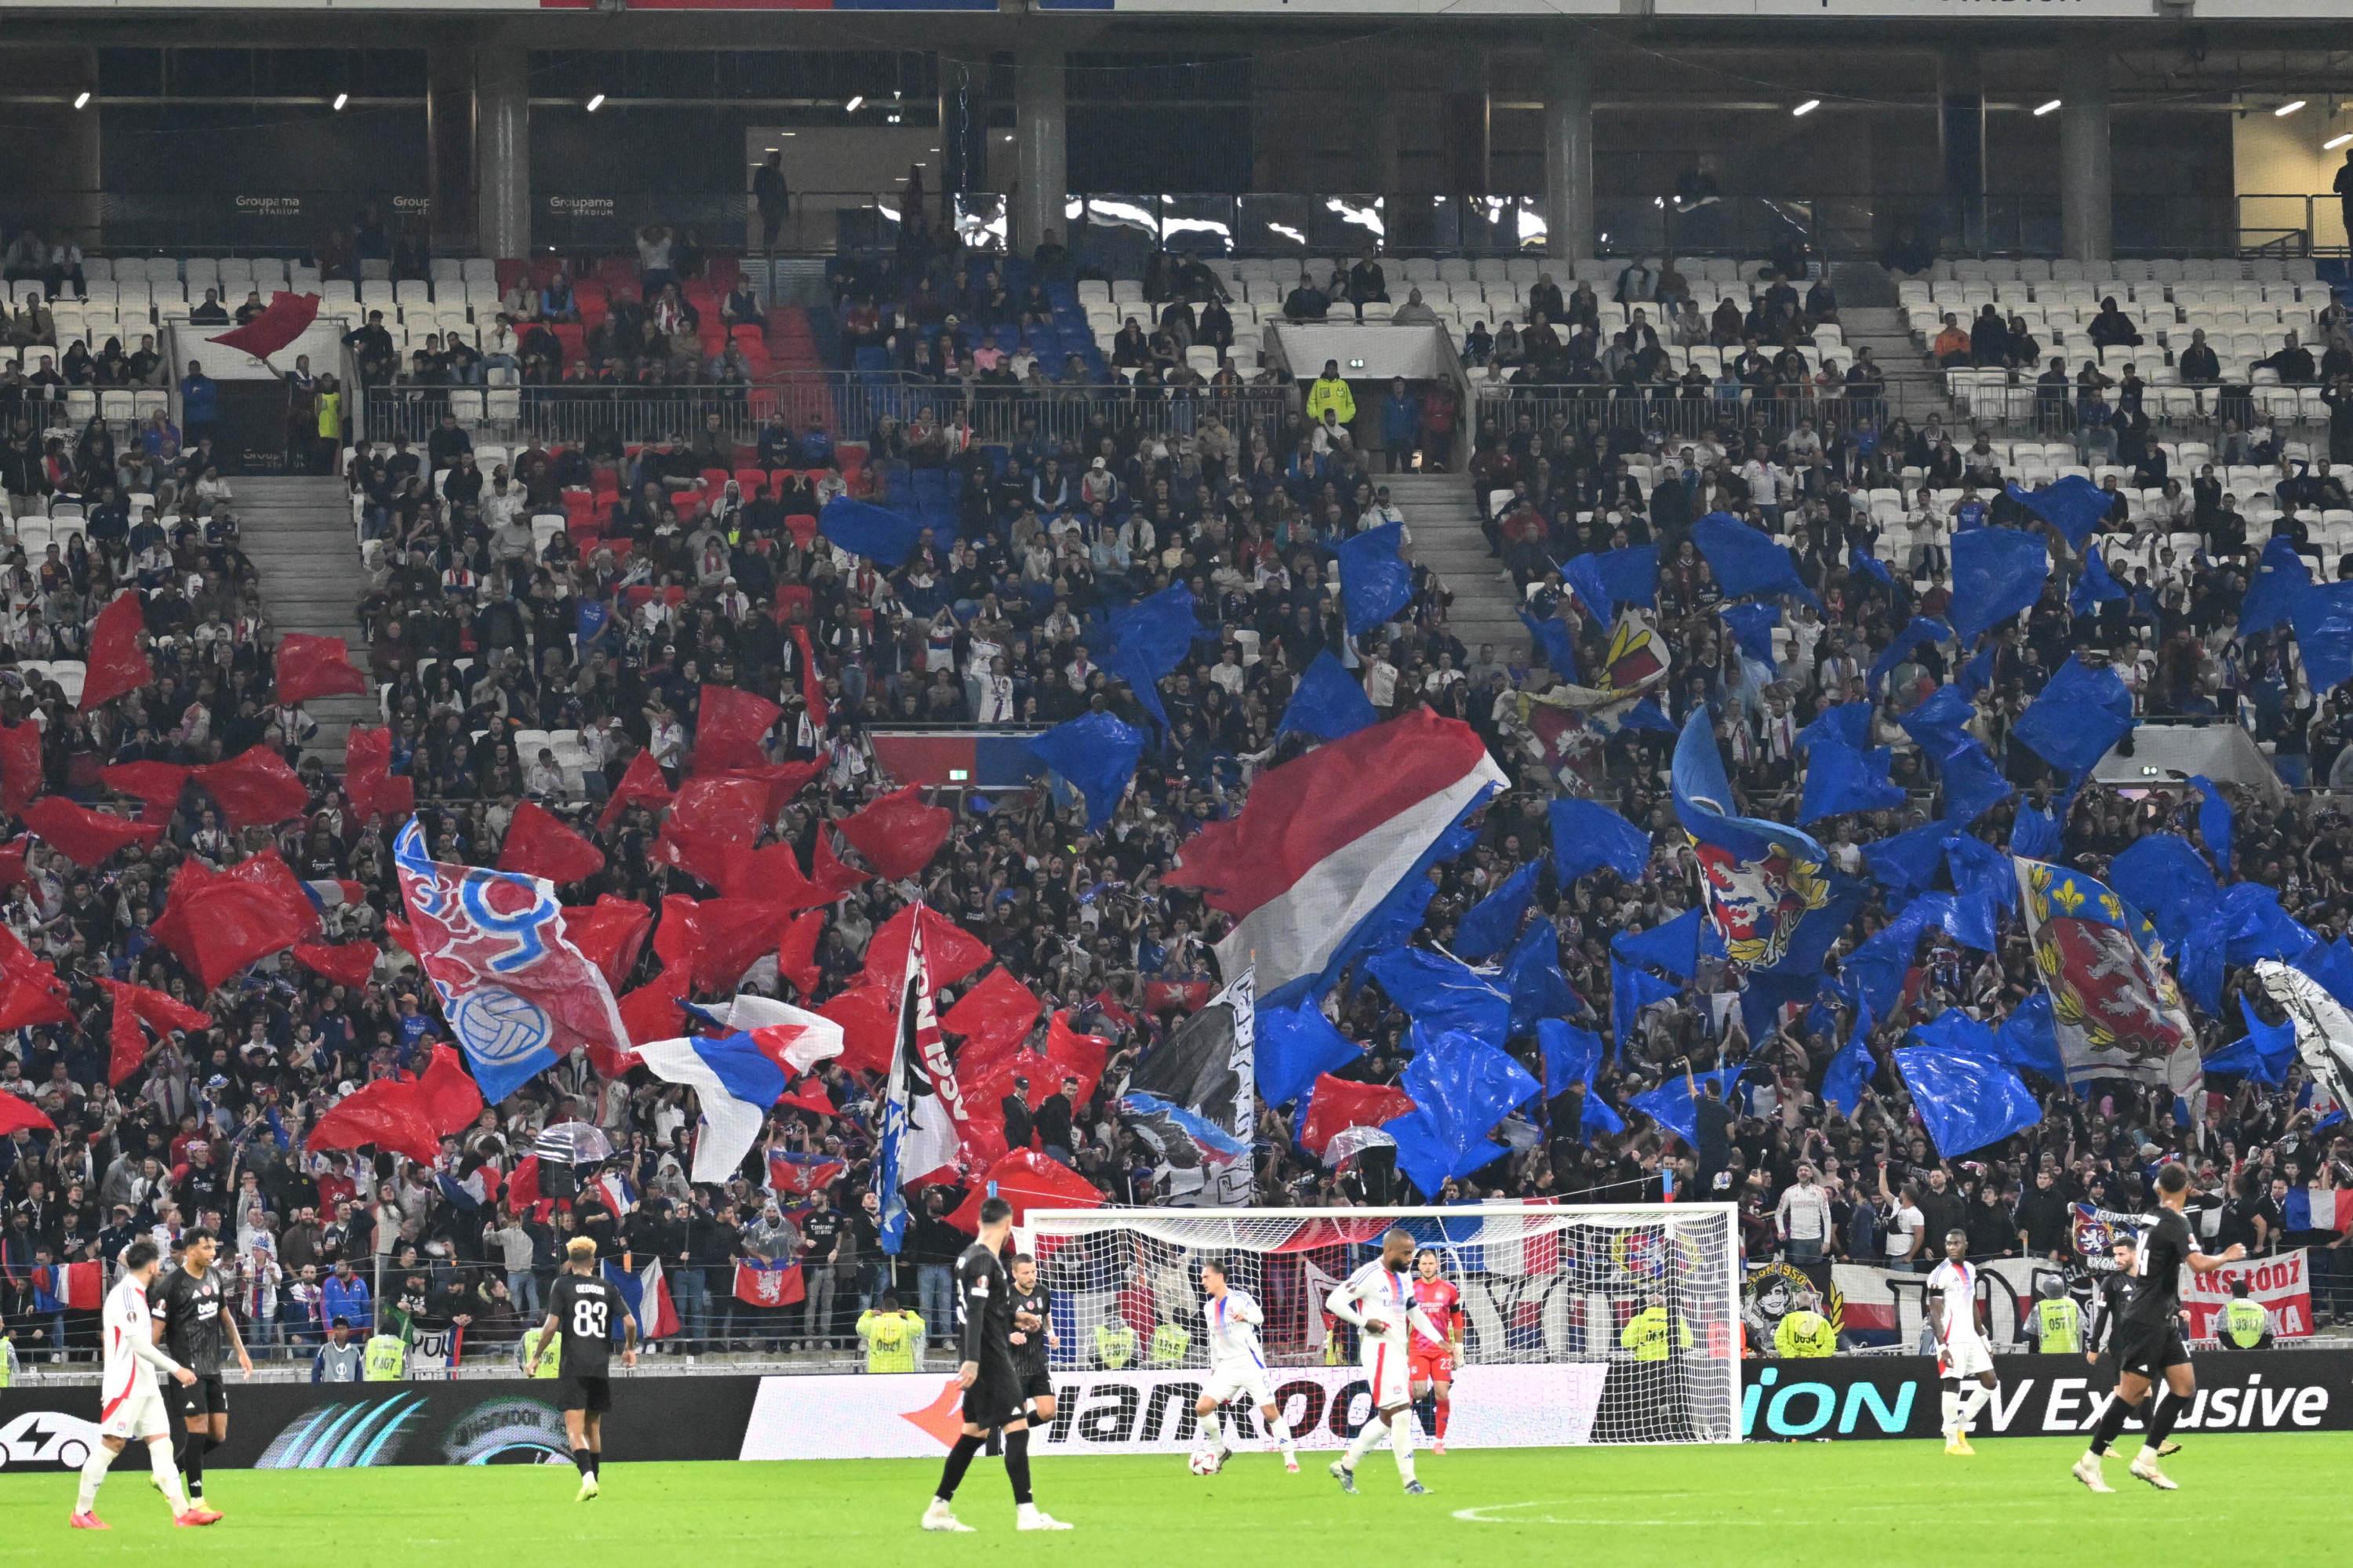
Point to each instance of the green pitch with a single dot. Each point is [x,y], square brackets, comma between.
[2242,1499]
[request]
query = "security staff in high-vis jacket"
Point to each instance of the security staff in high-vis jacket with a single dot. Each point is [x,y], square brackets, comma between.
[1114,1344]
[1656,1337]
[1656,1331]
[2056,1324]
[2245,1324]
[1804,1331]
[386,1357]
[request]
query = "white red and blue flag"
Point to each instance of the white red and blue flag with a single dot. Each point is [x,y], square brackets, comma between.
[646,1293]
[612,1189]
[517,994]
[736,1078]
[797,1175]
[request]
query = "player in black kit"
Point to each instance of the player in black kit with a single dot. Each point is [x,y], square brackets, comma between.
[581,1310]
[196,1329]
[993,1396]
[2149,1335]
[2113,1294]
[1033,1336]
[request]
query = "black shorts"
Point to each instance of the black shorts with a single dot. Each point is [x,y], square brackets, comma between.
[995,1397]
[1038,1385]
[205,1396]
[593,1394]
[2148,1349]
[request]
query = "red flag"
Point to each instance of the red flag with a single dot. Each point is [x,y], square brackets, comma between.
[255,789]
[1027,1181]
[134,1005]
[765,1282]
[30,991]
[285,318]
[898,834]
[368,777]
[870,1026]
[610,933]
[810,1096]
[642,784]
[21,777]
[12,862]
[17,1113]
[1160,996]
[710,822]
[998,1010]
[953,951]
[522,1183]
[717,938]
[404,936]
[447,1093]
[782,780]
[116,663]
[797,951]
[828,875]
[728,727]
[83,836]
[1080,1056]
[772,873]
[218,922]
[310,666]
[812,681]
[348,964]
[651,1012]
[156,784]
[1335,1104]
[542,844]
[386,1114]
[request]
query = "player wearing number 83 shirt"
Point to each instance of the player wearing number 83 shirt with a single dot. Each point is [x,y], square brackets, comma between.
[581,1313]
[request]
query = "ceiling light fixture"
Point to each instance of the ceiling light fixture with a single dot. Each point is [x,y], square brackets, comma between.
[1807,107]
[2042,110]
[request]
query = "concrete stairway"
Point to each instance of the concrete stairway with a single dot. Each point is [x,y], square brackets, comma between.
[297,531]
[1444,521]
[1915,389]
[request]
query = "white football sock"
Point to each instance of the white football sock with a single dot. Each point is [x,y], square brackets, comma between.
[1281,1429]
[1401,1444]
[1209,1432]
[1952,1405]
[167,1476]
[1371,1433]
[1973,1400]
[94,1471]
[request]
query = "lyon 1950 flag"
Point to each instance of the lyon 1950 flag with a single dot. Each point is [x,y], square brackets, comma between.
[517,994]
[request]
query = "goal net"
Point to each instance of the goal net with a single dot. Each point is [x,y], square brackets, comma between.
[1578,1324]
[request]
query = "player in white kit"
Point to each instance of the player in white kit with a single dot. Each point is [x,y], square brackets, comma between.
[1378,1299]
[1963,1356]
[1237,1367]
[131,1402]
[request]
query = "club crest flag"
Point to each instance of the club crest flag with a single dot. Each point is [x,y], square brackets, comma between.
[2114,1007]
[1760,880]
[517,994]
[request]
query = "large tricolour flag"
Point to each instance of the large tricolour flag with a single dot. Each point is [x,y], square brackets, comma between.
[920,1099]
[646,1293]
[736,1078]
[517,994]
[1323,841]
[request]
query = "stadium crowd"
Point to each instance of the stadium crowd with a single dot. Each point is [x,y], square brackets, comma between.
[620,626]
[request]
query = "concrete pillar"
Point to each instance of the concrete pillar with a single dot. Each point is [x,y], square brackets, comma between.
[2085,191]
[1041,147]
[1960,139]
[450,133]
[1568,152]
[502,145]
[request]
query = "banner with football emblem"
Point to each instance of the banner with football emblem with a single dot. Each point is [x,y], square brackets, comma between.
[517,994]
[2115,1008]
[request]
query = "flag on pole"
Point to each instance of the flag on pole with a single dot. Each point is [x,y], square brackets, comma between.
[919,1136]
[646,1293]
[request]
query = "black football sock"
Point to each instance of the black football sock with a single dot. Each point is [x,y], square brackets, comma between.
[1017,1464]
[959,1461]
[596,1462]
[2112,1420]
[192,1464]
[2161,1418]
[994,1444]
[580,1459]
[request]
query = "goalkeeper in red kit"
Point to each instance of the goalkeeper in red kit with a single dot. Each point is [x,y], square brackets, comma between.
[1431,1362]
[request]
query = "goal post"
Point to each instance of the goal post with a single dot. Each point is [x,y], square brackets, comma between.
[1553,1352]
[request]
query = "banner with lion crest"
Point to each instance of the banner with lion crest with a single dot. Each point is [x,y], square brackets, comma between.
[2116,1010]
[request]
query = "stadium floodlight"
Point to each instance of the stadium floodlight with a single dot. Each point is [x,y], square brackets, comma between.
[2335,142]
[2290,107]
[1807,107]
[2042,109]
[855,99]
[341,99]
[1545,1292]
[595,103]
[83,100]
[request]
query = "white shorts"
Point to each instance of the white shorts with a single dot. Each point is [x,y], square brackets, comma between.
[1385,1370]
[141,1415]
[1965,1358]
[1227,1384]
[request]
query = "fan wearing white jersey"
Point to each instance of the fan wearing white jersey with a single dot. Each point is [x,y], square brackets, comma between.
[1378,1299]
[1962,1353]
[131,1402]
[1237,1367]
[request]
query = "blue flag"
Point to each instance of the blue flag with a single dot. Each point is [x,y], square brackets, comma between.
[1965,1098]
[874,532]
[1868,565]
[1097,754]
[1997,572]
[1762,880]
[1295,1045]
[2263,1053]
[2078,718]
[2213,822]
[2096,587]
[1921,630]
[2323,618]
[1630,990]
[1848,724]
[1673,1105]
[1746,562]
[1965,921]
[1978,674]
[2165,879]
[1570,1055]
[1587,836]
[1441,993]
[1940,721]
[2034,834]
[1973,785]
[1853,1066]
[1983,873]
[1612,578]
[1752,626]
[1533,981]
[1376,583]
[1597,1118]
[1462,1087]
[2074,505]
[2280,579]
[1673,949]
[2029,1040]
[1551,636]
[1839,779]
[1648,715]
[1878,966]
[1327,703]
[1489,926]
[1148,638]
[1583,576]
[1906,863]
